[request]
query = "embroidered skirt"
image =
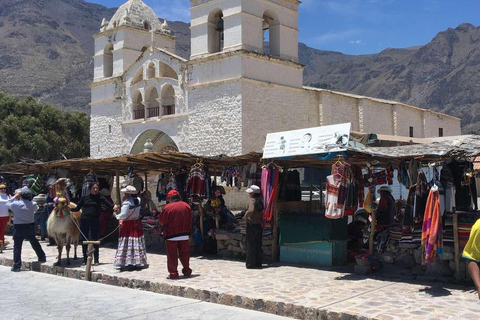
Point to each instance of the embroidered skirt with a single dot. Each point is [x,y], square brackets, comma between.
[131,245]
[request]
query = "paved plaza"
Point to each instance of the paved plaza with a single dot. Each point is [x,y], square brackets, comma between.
[292,291]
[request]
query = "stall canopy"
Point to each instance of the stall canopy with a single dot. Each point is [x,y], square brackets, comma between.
[434,149]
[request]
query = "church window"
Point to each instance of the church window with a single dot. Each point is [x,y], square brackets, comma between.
[168,100]
[151,70]
[215,31]
[137,106]
[108,60]
[146,25]
[271,33]
[109,128]
[151,102]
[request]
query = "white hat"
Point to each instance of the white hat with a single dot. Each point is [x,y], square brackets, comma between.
[129,190]
[253,189]
[25,190]
[51,181]
[385,188]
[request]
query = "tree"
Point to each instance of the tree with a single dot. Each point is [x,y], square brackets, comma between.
[29,130]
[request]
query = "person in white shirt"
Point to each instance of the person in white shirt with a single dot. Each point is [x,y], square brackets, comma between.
[24,209]
[4,214]
[131,253]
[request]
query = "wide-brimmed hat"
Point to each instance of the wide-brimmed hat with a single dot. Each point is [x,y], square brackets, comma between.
[385,188]
[253,189]
[129,190]
[104,192]
[3,186]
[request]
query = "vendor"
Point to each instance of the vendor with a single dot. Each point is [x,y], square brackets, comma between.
[472,254]
[356,230]
[216,207]
[386,207]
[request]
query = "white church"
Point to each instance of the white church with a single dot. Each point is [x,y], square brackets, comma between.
[233,90]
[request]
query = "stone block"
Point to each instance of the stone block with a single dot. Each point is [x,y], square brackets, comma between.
[221,236]
[235,249]
[448,256]
[268,242]
[440,268]
[225,254]
[405,261]
[449,249]
[234,243]
[408,246]
[417,254]
[363,270]
[386,257]
[363,262]
[221,245]
[237,236]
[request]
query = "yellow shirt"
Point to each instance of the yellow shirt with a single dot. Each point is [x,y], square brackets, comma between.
[472,249]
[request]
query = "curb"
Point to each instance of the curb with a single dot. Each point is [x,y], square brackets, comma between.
[262,305]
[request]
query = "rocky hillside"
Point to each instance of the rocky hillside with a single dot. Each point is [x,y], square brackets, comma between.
[46,49]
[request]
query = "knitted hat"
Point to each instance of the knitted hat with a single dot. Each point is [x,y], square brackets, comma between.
[104,192]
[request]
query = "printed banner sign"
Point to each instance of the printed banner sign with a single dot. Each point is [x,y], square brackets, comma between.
[317,140]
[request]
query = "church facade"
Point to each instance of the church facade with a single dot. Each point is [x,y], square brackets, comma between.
[234,90]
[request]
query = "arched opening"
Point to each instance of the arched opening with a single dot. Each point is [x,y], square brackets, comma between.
[271,33]
[167,72]
[108,60]
[151,70]
[137,77]
[114,24]
[137,106]
[161,141]
[151,102]
[215,31]
[146,25]
[168,100]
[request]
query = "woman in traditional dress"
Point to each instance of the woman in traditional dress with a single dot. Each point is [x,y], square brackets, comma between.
[131,253]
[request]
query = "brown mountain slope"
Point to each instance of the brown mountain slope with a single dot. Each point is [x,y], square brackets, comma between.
[46,48]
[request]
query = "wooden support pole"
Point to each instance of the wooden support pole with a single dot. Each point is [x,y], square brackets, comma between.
[146,181]
[456,246]
[200,211]
[117,189]
[372,231]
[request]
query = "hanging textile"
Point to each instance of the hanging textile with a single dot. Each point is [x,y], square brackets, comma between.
[334,208]
[181,176]
[196,181]
[432,238]
[421,195]
[269,188]
[290,186]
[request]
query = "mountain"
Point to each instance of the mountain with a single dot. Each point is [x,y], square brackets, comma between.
[46,49]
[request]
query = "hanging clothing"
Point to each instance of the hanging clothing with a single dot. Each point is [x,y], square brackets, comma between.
[270,192]
[334,208]
[432,238]
[196,181]
[421,195]
[386,210]
[409,207]
[290,186]
[463,200]
[131,249]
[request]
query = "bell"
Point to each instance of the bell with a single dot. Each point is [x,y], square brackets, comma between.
[219,25]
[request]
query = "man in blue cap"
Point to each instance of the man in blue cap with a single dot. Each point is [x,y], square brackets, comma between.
[24,209]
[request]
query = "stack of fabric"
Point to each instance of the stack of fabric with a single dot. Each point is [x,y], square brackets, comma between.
[395,233]
[149,222]
[267,231]
[448,239]
[406,234]
[465,224]
[417,232]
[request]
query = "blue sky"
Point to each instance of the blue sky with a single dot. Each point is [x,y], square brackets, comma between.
[357,26]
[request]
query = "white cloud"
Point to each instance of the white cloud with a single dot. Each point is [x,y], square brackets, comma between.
[356,42]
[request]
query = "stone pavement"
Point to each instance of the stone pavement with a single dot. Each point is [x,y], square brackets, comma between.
[292,291]
[49,297]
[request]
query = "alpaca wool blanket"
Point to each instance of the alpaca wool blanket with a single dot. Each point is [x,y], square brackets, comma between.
[432,238]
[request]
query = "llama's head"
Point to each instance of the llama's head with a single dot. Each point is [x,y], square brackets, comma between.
[61,186]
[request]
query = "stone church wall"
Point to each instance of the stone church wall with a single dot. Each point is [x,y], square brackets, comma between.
[215,119]
[106,136]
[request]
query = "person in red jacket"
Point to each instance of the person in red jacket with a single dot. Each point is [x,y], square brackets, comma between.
[176,218]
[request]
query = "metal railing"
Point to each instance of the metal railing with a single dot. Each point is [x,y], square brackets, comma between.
[153,112]
[139,114]
[168,110]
